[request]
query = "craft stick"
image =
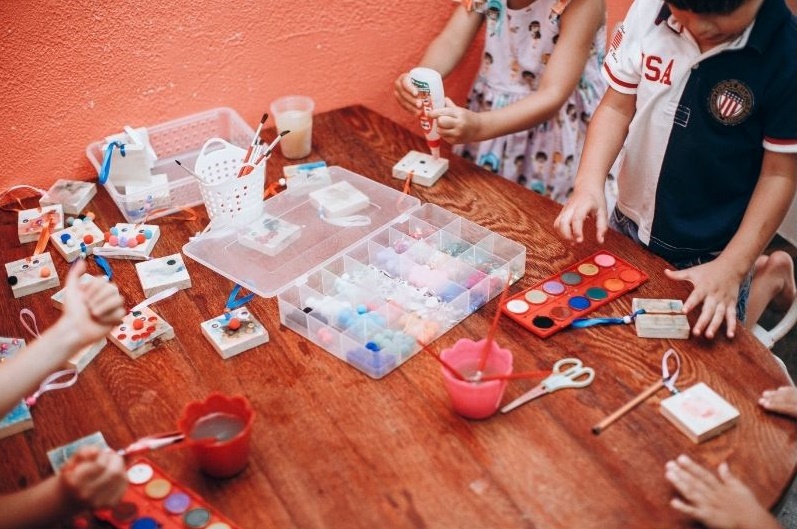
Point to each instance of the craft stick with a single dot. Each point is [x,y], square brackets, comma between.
[630,405]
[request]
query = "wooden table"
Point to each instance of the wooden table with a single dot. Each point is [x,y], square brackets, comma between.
[334,448]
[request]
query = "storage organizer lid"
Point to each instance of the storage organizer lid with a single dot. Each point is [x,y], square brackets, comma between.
[320,238]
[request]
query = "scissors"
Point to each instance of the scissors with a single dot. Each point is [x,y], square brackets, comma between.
[567,373]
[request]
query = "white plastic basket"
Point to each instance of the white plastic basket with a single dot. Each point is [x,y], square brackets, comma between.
[228,199]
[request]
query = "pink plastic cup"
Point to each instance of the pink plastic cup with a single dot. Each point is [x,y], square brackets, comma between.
[475,400]
[218,430]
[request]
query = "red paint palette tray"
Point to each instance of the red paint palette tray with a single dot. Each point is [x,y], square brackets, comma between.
[155,501]
[552,304]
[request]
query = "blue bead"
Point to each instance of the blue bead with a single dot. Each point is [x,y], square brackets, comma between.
[372,346]
[147,234]
[65,237]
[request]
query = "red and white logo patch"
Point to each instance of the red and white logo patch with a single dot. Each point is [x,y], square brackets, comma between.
[730,102]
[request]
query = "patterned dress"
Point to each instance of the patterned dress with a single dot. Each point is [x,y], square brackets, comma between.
[518,44]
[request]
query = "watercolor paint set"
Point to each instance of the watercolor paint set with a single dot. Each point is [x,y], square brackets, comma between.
[374,274]
[155,500]
[553,303]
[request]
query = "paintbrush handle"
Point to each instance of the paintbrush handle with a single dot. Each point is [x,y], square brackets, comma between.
[630,405]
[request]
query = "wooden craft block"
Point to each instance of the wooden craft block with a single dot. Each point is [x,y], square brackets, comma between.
[663,318]
[18,419]
[142,198]
[236,334]
[269,235]
[82,358]
[425,169]
[57,299]
[118,245]
[140,331]
[159,274]
[68,240]
[306,177]
[73,195]
[32,274]
[339,200]
[59,456]
[699,412]
[30,222]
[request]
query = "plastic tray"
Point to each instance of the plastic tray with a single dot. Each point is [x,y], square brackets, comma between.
[370,295]
[180,139]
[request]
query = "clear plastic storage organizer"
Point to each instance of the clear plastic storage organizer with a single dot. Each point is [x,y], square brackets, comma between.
[362,270]
[180,139]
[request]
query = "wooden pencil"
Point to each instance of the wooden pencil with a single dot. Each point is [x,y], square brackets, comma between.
[630,405]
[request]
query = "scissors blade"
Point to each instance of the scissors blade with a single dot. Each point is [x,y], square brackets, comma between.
[526,397]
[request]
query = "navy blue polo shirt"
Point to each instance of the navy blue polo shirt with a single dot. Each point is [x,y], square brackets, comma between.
[694,149]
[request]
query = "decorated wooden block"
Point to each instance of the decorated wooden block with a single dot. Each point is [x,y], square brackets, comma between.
[133,241]
[83,357]
[234,332]
[663,318]
[699,412]
[60,455]
[57,299]
[269,235]
[140,331]
[19,418]
[30,222]
[159,274]
[32,274]
[339,200]
[145,197]
[82,235]
[73,195]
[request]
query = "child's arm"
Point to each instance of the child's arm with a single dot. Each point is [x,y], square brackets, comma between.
[716,284]
[782,400]
[605,136]
[90,311]
[442,55]
[90,479]
[720,502]
[579,23]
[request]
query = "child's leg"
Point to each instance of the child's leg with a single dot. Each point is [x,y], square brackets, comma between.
[773,282]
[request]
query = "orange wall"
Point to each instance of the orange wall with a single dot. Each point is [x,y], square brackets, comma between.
[74,74]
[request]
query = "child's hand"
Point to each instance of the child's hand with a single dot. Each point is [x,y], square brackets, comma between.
[718,502]
[456,124]
[782,400]
[717,288]
[581,204]
[91,309]
[407,95]
[94,478]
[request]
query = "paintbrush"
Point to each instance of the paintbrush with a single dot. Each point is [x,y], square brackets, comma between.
[491,333]
[189,171]
[253,144]
[266,155]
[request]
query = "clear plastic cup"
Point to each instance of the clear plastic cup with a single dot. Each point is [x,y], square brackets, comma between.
[294,113]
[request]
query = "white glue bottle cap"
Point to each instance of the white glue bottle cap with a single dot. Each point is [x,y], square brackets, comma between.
[429,84]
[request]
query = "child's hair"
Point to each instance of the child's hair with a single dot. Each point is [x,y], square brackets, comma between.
[704,7]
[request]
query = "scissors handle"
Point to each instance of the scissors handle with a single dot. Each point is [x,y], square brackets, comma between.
[575,375]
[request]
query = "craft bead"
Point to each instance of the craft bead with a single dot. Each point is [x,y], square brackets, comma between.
[234,324]
[132,243]
[44,272]
[148,234]
[140,238]
[113,240]
[88,238]
[138,325]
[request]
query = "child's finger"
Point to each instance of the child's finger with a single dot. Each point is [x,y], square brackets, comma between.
[601,226]
[697,471]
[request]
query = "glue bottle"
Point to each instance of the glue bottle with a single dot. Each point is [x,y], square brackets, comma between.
[430,90]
